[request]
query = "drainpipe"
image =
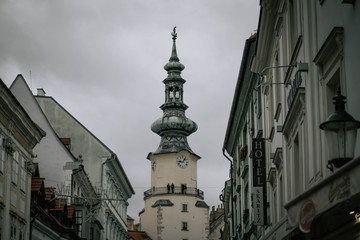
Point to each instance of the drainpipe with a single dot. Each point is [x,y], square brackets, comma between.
[232,197]
[111,158]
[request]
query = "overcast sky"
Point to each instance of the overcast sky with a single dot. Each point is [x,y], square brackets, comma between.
[103,61]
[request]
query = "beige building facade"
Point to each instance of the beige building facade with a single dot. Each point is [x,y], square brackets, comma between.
[18,136]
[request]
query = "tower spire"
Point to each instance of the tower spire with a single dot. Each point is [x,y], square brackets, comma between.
[174,126]
[174,56]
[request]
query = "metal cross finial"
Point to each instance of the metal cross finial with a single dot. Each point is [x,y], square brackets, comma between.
[174,34]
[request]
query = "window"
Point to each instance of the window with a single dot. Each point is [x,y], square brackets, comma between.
[281,196]
[2,154]
[23,175]
[184,208]
[21,235]
[246,195]
[78,224]
[15,168]
[184,226]
[293,24]
[91,233]
[12,232]
[297,169]
[1,224]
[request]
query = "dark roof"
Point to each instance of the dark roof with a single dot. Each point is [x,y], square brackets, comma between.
[37,183]
[163,203]
[49,193]
[60,205]
[71,210]
[201,204]
[138,235]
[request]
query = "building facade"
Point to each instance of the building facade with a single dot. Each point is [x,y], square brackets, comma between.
[101,164]
[18,136]
[244,124]
[67,145]
[304,57]
[174,206]
[52,217]
[52,155]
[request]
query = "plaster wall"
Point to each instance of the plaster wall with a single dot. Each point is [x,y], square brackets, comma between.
[50,153]
[165,222]
[167,171]
[82,142]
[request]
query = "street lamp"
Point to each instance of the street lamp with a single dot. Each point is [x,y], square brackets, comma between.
[340,132]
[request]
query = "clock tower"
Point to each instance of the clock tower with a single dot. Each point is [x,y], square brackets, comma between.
[174,205]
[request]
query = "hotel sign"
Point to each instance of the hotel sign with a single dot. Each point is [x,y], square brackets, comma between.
[259,181]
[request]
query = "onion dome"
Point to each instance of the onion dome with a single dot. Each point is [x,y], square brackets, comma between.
[174,126]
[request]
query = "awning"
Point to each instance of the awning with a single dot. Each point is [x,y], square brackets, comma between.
[336,188]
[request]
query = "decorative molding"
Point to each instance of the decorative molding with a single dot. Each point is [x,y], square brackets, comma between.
[277,112]
[331,50]
[293,59]
[245,171]
[272,177]
[296,112]
[272,132]
[278,156]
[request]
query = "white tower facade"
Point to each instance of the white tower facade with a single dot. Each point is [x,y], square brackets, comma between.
[174,205]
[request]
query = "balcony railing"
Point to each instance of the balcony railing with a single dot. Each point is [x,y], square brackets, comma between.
[176,190]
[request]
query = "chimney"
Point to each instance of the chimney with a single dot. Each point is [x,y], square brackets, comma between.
[41,92]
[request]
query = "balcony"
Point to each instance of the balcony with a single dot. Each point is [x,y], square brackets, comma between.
[178,190]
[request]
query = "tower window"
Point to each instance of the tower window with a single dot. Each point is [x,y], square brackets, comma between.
[184,226]
[184,208]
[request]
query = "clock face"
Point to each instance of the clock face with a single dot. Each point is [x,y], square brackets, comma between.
[182,161]
[153,164]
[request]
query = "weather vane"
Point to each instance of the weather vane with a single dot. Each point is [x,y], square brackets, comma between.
[174,34]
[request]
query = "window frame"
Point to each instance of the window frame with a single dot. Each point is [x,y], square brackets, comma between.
[2,153]
[184,226]
[15,168]
[23,175]
[184,207]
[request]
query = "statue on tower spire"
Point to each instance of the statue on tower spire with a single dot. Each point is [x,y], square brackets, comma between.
[174,34]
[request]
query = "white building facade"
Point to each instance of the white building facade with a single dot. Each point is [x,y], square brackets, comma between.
[18,136]
[305,52]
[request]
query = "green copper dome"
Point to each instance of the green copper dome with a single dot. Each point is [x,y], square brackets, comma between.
[174,126]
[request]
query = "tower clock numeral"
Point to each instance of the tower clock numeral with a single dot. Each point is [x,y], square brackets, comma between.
[153,164]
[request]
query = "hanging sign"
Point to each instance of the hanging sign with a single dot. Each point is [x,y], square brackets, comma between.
[259,181]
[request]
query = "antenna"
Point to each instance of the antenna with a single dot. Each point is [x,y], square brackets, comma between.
[31,86]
